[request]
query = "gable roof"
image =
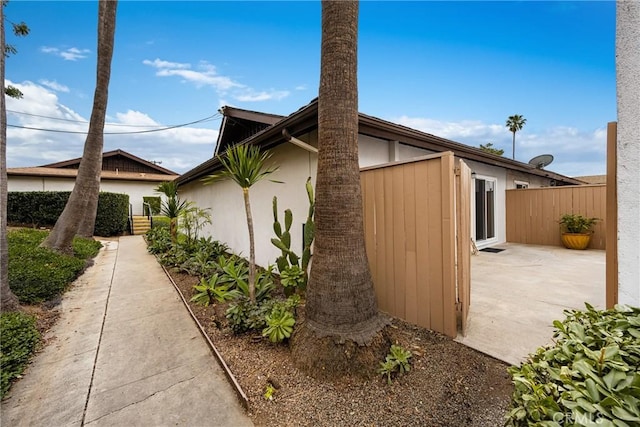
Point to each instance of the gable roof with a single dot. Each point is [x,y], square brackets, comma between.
[306,119]
[238,125]
[116,160]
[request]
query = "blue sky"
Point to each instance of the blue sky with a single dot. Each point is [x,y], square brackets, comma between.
[453,69]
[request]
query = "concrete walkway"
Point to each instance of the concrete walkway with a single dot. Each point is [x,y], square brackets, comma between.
[518,293]
[124,352]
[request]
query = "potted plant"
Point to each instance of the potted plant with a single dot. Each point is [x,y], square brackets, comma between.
[578,230]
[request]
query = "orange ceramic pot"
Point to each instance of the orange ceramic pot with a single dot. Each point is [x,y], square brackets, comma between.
[576,240]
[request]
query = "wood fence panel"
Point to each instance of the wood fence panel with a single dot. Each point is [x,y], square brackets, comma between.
[410,239]
[533,213]
[463,241]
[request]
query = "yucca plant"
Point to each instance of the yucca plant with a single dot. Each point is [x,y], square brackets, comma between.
[245,165]
[172,207]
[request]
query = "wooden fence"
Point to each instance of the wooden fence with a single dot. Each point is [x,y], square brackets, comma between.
[409,220]
[533,214]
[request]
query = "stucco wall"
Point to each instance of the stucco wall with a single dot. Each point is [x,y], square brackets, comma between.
[135,189]
[225,199]
[628,145]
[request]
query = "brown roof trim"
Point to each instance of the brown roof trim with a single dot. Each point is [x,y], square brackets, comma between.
[375,127]
[111,154]
[297,123]
[254,116]
[41,171]
[306,119]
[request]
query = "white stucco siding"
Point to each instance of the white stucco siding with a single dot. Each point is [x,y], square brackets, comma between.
[36,183]
[406,152]
[372,151]
[500,174]
[229,224]
[628,147]
[135,189]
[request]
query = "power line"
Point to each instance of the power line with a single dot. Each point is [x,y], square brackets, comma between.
[78,121]
[210,118]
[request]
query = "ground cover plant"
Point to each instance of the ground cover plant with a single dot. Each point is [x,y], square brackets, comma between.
[589,377]
[37,276]
[19,339]
[434,380]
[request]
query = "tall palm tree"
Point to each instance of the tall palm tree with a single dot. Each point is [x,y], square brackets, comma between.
[342,319]
[172,207]
[245,166]
[87,185]
[8,301]
[515,123]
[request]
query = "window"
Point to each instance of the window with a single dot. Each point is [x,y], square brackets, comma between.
[521,184]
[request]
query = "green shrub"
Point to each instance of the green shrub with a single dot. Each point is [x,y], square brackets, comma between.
[37,274]
[160,222]
[154,203]
[112,216]
[589,377]
[19,339]
[42,209]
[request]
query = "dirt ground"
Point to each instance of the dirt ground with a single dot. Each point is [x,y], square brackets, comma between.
[448,385]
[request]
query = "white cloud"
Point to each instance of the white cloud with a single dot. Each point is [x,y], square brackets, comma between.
[206,74]
[179,149]
[301,87]
[54,85]
[70,54]
[251,96]
[576,151]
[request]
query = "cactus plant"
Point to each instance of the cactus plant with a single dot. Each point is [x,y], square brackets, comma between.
[282,241]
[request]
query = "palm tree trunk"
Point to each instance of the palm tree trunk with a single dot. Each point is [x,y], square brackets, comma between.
[252,247]
[513,150]
[8,301]
[340,333]
[87,184]
[88,223]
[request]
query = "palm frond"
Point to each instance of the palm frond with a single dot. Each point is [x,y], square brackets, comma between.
[245,165]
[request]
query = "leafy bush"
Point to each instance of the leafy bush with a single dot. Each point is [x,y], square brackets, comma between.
[42,208]
[160,222]
[396,361]
[38,274]
[158,240]
[154,204]
[19,339]
[213,289]
[575,223]
[112,216]
[589,377]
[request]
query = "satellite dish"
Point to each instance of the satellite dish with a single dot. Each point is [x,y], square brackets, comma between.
[541,161]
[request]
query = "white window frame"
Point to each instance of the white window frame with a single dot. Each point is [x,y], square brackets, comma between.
[520,184]
[493,240]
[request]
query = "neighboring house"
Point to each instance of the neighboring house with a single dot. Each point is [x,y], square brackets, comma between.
[379,142]
[592,179]
[122,172]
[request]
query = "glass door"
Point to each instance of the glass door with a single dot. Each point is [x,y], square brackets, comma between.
[485,202]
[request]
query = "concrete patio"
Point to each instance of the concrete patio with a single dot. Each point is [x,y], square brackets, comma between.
[517,294]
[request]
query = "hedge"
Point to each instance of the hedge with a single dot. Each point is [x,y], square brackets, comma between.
[42,209]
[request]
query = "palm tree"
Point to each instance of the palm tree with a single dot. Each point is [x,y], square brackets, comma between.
[172,207]
[341,330]
[245,166]
[8,300]
[515,123]
[87,185]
